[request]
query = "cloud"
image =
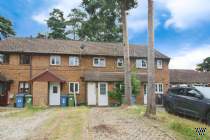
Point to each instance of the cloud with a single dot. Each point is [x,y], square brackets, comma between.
[64,5]
[137,19]
[186,13]
[189,57]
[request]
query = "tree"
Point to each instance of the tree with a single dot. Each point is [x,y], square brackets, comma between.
[205,66]
[118,91]
[103,21]
[57,25]
[75,21]
[151,105]
[41,36]
[126,5]
[6,29]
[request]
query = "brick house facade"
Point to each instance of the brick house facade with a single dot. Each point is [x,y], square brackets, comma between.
[44,68]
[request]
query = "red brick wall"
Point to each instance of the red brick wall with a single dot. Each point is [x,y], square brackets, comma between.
[17,72]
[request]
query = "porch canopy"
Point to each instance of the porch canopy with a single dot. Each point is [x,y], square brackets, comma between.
[110,76]
[48,76]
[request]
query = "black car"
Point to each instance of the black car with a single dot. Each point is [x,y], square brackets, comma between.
[190,101]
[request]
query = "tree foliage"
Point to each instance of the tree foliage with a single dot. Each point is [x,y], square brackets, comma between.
[103,21]
[41,36]
[118,91]
[205,66]
[95,20]
[75,20]
[6,29]
[57,25]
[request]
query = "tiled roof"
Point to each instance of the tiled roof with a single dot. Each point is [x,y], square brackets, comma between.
[51,46]
[188,76]
[110,76]
[47,76]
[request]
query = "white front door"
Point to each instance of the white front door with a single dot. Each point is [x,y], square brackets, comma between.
[91,93]
[145,94]
[54,94]
[102,94]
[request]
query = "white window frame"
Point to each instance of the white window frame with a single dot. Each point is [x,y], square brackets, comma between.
[77,92]
[75,63]
[100,64]
[159,65]
[158,87]
[139,63]
[56,57]
[119,61]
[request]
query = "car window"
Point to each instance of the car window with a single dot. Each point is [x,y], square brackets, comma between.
[181,92]
[192,93]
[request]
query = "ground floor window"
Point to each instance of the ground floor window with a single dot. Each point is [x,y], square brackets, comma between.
[74,87]
[159,88]
[24,87]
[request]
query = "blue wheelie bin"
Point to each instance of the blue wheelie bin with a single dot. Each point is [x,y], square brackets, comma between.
[64,101]
[20,100]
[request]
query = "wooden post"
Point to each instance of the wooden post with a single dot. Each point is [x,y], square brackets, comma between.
[127,69]
[151,105]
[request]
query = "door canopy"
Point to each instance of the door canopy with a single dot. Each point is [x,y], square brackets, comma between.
[48,76]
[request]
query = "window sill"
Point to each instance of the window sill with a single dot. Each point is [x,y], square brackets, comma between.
[25,64]
[99,66]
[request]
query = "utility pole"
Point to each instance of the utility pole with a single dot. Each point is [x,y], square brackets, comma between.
[151,103]
[127,69]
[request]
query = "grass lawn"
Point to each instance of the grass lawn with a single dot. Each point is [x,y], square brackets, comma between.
[183,128]
[62,124]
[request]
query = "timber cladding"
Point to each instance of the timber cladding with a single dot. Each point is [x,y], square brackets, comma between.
[40,93]
[40,62]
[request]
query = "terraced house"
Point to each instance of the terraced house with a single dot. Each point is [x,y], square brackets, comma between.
[49,68]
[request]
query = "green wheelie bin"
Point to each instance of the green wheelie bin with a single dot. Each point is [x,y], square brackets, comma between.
[71,101]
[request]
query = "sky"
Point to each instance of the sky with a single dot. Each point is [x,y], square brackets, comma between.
[182,27]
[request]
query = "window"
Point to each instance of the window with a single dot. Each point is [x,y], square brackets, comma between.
[141,63]
[24,87]
[120,62]
[73,61]
[55,60]
[159,64]
[103,89]
[25,59]
[159,88]
[145,89]
[193,93]
[4,59]
[55,89]
[73,87]
[99,62]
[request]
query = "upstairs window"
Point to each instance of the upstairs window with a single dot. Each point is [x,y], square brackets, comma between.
[4,58]
[55,60]
[99,62]
[159,64]
[120,62]
[159,88]
[25,59]
[24,87]
[73,61]
[141,63]
[74,87]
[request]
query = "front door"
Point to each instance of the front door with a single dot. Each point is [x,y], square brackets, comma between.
[145,94]
[102,94]
[91,93]
[54,94]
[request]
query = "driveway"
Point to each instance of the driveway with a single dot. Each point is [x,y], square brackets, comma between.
[115,124]
[79,123]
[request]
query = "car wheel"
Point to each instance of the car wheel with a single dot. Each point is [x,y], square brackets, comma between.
[208,118]
[168,108]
